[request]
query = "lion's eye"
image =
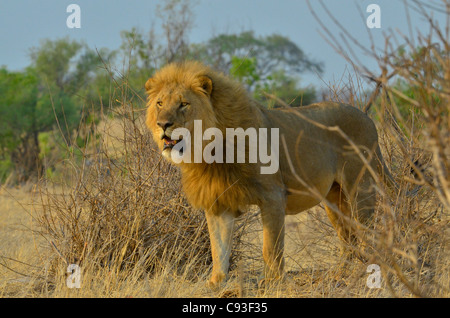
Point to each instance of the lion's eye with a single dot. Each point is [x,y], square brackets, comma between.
[159,103]
[183,104]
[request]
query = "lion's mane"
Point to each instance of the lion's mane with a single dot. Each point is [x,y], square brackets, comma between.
[217,185]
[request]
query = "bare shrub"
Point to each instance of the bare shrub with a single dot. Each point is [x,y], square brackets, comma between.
[410,103]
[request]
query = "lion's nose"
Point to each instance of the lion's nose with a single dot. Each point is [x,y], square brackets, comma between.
[164,124]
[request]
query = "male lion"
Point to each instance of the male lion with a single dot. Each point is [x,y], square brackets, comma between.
[317,161]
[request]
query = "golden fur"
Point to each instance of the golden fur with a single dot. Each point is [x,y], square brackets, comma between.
[325,168]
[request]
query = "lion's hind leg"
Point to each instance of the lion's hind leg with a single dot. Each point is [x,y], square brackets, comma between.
[340,214]
[350,216]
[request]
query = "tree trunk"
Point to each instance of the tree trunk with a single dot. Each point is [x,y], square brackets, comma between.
[26,160]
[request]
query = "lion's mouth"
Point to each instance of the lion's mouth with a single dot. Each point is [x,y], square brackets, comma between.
[169,143]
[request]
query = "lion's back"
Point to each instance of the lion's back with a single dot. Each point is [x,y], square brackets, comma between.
[319,117]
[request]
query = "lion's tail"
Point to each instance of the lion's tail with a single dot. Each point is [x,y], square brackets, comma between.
[389,179]
[384,171]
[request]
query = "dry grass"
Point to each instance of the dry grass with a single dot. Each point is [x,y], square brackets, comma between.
[128,226]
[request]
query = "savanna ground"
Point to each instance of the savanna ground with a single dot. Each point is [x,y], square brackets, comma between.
[115,209]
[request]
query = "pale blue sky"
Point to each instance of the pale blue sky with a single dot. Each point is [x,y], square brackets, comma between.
[24,22]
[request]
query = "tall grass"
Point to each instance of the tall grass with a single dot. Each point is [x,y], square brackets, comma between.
[411,105]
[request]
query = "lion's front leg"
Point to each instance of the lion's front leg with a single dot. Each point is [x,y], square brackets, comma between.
[221,236]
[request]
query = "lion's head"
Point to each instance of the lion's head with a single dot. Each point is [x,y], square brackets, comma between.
[180,93]
[177,95]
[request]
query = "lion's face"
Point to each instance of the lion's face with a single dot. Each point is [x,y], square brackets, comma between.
[176,105]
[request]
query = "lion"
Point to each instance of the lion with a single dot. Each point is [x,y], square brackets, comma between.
[328,152]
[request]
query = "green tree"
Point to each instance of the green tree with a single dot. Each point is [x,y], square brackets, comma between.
[70,66]
[52,61]
[271,53]
[25,112]
[286,88]
[262,63]
[18,97]
[49,95]
[245,70]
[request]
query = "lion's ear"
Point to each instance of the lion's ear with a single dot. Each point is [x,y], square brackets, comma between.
[205,84]
[149,84]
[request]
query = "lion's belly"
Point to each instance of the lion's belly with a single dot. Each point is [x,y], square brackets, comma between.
[297,203]
[300,198]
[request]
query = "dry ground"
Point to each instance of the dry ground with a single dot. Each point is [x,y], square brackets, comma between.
[24,256]
[312,260]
